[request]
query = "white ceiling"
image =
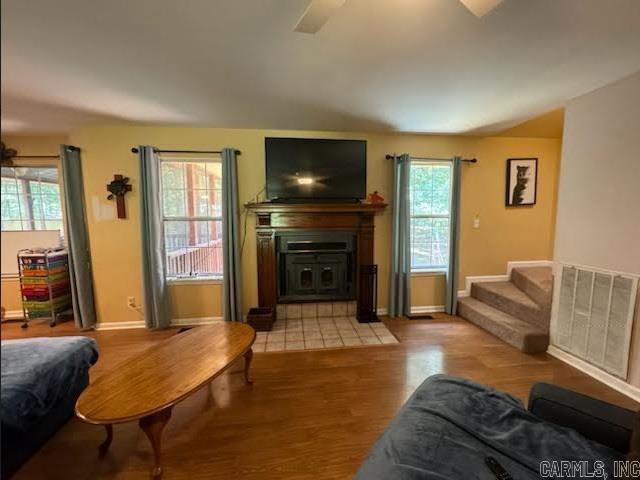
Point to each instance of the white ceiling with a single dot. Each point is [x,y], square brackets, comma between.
[404,65]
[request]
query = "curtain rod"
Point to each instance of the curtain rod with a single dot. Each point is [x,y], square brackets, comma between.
[217,152]
[71,148]
[468,160]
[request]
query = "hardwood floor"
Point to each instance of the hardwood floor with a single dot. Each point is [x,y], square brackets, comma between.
[309,415]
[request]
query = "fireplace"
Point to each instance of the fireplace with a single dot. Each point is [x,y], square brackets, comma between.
[316,252]
[316,266]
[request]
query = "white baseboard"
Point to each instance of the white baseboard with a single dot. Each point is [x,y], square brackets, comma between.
[527,263]
[428,309]
[192,322]
[593,371]
[13,315]
[176,322]
[119,325]
[501,278]
[418,309]
[481,279]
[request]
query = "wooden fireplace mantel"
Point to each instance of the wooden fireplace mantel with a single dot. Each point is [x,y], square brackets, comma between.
[322,208]
[272,218]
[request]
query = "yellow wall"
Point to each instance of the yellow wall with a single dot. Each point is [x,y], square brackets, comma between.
[548,125]
[35,144]
[428,290]
[505,234]
[524,233]
[27,145]
[199,300]
[10,294]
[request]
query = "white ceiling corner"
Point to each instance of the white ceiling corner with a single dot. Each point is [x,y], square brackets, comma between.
[480,7]
[317,14]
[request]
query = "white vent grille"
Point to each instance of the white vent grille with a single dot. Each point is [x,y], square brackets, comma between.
[593,315]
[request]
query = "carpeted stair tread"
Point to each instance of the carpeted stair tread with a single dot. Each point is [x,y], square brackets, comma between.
[522,335]
[542,276]
[508,290]
[537,282]
[505,296]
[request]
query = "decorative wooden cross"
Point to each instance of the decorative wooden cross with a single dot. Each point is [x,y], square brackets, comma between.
[118,188]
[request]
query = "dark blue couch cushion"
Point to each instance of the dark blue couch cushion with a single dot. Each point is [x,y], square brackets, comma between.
[41,381]
[450,425]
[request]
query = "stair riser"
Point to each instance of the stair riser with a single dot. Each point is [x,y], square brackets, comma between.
[524,343]
[539,295]
[505,304]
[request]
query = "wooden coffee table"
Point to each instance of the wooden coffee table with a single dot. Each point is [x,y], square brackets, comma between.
[147,386]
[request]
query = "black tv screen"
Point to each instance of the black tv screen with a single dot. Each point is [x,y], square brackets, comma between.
[315,169]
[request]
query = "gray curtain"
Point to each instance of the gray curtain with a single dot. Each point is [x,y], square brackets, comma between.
[400,281]
[157,312]
[454,239]
[84,311]
[232,271]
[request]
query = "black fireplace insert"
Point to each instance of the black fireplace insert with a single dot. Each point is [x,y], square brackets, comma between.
[316,266]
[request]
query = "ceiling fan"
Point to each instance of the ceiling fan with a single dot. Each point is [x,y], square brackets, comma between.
[6,155]
[318,12]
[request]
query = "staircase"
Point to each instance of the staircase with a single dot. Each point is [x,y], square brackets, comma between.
[517,311]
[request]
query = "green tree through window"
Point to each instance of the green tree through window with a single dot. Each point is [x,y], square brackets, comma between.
[30,199]
[430,210]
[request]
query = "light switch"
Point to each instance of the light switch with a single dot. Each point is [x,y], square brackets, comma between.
[476,222]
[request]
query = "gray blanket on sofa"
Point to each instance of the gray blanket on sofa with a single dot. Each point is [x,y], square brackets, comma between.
[450,425]
[38,372]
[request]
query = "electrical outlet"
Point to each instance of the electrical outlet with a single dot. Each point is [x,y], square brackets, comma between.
[131,301]
[476,222]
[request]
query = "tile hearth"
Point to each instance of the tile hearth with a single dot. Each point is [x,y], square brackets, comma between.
[323,332]
[291,311]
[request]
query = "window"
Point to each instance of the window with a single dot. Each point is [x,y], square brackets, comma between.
[430,209]
[192,213]
[31,199]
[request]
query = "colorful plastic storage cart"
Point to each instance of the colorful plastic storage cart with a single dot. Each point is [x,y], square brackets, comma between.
[44,284]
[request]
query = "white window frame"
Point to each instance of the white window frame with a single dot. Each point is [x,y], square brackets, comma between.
[27,217]
[187,279]
[429,269]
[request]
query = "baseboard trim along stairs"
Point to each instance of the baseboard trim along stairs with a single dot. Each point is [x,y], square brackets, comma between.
[501,278]
[515,307]
[595,372]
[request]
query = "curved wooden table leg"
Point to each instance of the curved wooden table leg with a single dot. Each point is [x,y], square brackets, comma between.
[153,425]
[104,446]
[248,356]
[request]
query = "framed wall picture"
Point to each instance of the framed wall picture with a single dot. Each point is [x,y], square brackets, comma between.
[522,181]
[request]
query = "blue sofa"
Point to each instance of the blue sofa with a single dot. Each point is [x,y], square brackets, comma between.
[41,380]
[451,428]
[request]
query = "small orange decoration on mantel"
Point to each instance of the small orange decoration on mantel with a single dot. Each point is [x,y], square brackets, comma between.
[375,198]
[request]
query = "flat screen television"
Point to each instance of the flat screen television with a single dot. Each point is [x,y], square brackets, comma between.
[303,169]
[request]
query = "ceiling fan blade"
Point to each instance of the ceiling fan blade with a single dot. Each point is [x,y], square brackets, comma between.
[317,14]
[481,7]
